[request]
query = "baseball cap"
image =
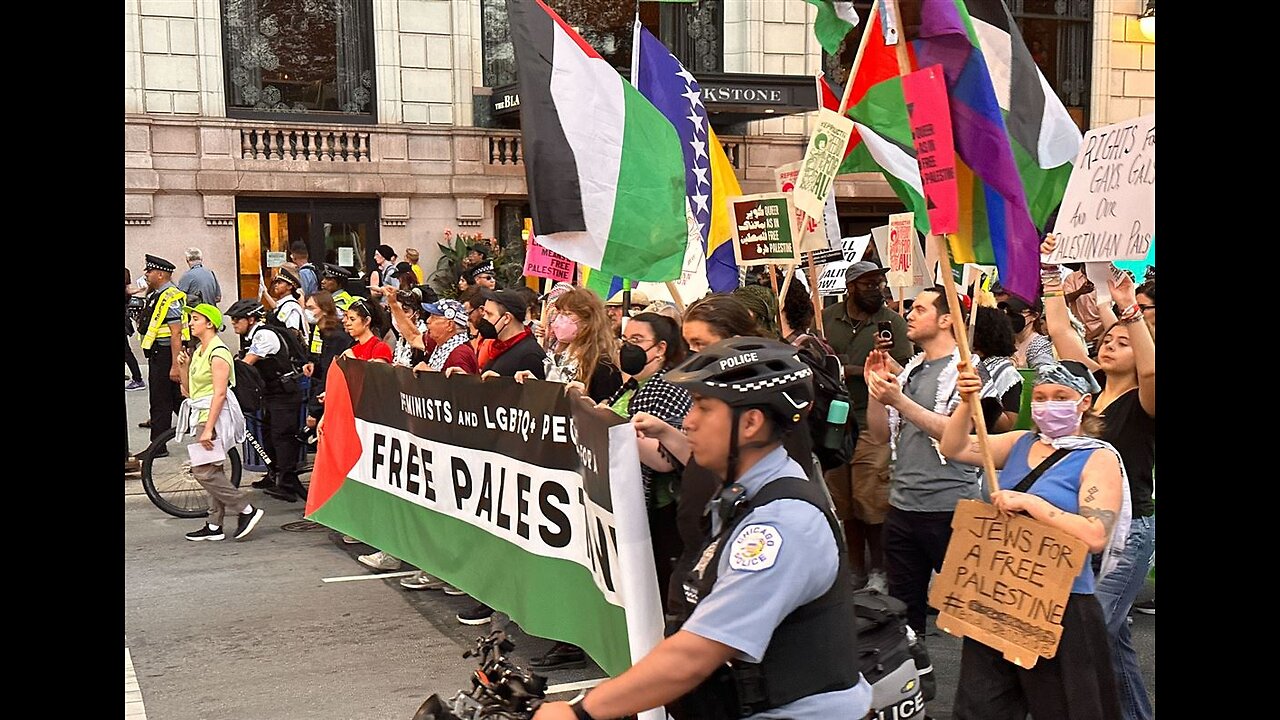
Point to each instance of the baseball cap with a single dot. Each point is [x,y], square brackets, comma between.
[510,300]
[860,268]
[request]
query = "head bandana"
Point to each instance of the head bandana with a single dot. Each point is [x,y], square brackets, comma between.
[1061,374]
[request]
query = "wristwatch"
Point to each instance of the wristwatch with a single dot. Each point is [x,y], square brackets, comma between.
[579,711]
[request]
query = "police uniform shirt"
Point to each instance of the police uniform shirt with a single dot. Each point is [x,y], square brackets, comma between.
[289,312]
[263,344]
[172,315]
[759,584]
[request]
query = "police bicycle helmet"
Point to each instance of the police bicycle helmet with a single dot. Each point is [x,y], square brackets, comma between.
[246,308]
[749,372]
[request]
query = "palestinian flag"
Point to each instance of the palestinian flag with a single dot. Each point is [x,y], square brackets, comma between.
[605,169]
[526,499]
[882,141]
[835,19]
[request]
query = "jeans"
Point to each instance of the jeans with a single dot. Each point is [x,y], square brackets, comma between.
[1116,592]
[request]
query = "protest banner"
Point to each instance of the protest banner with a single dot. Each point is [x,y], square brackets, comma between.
[528,500]
[822,160]
[1005,581]
[902,239]
[763,229]
[1108,211]
[541,262]
[925,93]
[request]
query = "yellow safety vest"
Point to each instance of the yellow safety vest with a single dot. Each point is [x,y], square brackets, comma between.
[317,344]
[158,329]
[343,300]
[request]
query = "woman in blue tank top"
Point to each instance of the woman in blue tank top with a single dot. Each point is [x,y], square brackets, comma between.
[1082,493]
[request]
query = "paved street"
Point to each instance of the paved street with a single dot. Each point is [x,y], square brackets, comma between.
[250,630]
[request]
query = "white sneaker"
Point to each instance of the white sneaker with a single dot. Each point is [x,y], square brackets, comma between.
[451,590]
[348,540]
[380,561]
[421,581]
[876,581]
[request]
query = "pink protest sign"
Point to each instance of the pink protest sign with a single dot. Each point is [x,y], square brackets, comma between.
[541,262]
[926,95]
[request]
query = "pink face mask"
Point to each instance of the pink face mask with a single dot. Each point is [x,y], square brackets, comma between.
[564,328]
[1056,418]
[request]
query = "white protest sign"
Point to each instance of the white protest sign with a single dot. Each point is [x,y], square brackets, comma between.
[831,220]
[855,247]
[822,160]
[815,233]
[902,236]
[880,235]
[831,282]
[1108,211]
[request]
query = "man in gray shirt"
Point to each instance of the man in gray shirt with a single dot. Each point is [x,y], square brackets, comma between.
[909,408]
[198,282]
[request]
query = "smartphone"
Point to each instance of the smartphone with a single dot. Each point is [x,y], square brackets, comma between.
[884,330]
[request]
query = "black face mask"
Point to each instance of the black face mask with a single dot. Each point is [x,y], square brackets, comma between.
[632,358]
[486,329]
[869,300]
[1018,321]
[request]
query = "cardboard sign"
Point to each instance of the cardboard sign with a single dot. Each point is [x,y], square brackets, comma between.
[816,229]
[276,259]
[762,229]
[1005,581]
[902,236]
[1109,209]
[925,92]
[919,273]
[541,262]
[831,281]
[821,161]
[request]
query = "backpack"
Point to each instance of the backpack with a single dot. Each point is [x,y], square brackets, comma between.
[289,342]
[900,685]
[828,386]
[249,387]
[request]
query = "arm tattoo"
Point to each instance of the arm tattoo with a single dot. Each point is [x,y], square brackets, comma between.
[1093,492]
[1106,517]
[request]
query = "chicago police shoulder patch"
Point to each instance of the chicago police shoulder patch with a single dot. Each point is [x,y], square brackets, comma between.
[755,548]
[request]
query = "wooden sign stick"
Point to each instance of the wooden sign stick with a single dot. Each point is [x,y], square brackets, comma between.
[958,328]
[773,278]
[675,297]
[786,284]
[817,296]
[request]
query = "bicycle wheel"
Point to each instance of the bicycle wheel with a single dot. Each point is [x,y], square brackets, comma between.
[172,487]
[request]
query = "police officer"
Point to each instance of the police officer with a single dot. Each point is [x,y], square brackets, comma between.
[771,592]
[281,399]
[284,301]
[335,281]
[164,322]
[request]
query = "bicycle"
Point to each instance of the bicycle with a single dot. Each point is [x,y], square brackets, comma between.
[170,485]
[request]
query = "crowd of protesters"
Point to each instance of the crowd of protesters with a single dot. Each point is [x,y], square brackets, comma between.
[1065,381]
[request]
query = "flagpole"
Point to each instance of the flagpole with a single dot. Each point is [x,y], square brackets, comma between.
[958,327]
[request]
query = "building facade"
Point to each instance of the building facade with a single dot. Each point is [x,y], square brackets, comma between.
[250,124]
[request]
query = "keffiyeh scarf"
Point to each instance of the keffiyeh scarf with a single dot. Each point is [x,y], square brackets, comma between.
[944,402]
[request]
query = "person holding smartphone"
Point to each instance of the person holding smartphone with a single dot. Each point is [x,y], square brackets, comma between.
[860,490]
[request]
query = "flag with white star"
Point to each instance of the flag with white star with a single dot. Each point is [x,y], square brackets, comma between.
[672,89]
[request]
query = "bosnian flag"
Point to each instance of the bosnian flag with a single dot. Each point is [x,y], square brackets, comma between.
[605,169]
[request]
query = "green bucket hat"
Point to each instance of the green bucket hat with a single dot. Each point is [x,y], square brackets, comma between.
[213,314]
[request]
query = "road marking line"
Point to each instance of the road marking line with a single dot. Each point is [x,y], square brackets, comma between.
[381,576]
[570,687]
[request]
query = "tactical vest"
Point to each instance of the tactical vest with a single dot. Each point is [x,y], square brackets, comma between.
[813,649]
[157,328]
